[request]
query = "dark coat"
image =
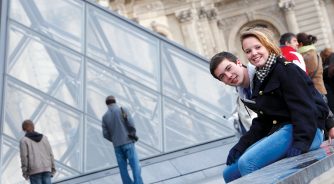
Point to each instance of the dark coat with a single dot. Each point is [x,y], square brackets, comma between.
[286,96]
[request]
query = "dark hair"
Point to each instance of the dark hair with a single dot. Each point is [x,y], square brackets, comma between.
[286,37]
[325,55]
[306,39]
[26,124]
[218,58]
[110,100]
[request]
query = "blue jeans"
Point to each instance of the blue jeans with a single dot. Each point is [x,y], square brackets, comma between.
[40,178]
[127,152]
[266,151]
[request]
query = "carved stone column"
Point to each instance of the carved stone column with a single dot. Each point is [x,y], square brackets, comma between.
[218,34]
[326,24]
[206,30]
[189,30]
[288,8]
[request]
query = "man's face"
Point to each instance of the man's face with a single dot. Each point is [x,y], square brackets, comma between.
[230,73]
[293,43]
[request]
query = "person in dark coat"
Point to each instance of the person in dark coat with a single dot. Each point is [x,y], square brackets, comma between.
[327,56]
[291,112]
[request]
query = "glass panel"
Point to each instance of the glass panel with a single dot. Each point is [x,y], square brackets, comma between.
[45,66]
[99,152]
[60,20]
[185,128]
[64,172]
[19,105]
[18,13]
[144,104]
[187,79]
[59,124]
[125,48]
[11,163]
[63,129]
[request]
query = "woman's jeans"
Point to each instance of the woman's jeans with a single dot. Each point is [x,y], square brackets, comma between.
[266,151]
[40,178]
[127,152]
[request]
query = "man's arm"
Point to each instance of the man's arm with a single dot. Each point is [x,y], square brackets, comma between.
[24,159]
[105,130]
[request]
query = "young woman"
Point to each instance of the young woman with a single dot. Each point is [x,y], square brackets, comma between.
[291,113]
[312,60]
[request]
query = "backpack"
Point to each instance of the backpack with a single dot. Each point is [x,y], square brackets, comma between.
[131,130]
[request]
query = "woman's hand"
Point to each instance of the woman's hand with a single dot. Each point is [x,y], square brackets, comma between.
[233,156]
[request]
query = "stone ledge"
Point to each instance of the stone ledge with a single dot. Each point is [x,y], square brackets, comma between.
[299,169]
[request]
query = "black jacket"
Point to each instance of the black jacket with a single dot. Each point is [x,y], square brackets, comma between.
[286,96]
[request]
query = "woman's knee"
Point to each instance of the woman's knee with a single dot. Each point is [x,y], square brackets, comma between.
[247,165]
[231,173]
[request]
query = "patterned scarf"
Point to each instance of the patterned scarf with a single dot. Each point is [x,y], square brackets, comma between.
[262,72]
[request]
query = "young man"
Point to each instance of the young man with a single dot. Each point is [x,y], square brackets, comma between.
[240,76]
[228,69]
[37,161]
[289,45]
[115,130]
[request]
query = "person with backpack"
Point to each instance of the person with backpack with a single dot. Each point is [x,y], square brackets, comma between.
[118,128]
[314,67]
[312,60]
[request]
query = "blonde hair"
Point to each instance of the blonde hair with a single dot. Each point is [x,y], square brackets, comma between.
[265,37]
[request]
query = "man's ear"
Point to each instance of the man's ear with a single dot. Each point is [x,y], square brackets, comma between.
[239,62]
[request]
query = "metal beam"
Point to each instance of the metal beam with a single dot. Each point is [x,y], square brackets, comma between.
[4,4]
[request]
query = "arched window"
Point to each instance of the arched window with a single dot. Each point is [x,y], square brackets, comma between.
[257,23]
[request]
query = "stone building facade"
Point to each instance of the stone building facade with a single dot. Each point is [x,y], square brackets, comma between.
[210,26]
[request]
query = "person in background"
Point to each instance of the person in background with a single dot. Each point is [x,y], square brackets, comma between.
[291,113]
[289,45]
[328,64]
[315,70]
[312,60]
[115,130]
[37,161]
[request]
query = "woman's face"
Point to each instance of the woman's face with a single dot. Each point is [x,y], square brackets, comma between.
[255,52]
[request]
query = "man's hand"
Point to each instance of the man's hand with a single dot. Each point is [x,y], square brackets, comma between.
[53,172]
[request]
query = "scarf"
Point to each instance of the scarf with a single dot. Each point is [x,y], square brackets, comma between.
[262,72]
[304,49]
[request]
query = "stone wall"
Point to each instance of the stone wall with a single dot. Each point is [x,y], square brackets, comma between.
[210,26]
